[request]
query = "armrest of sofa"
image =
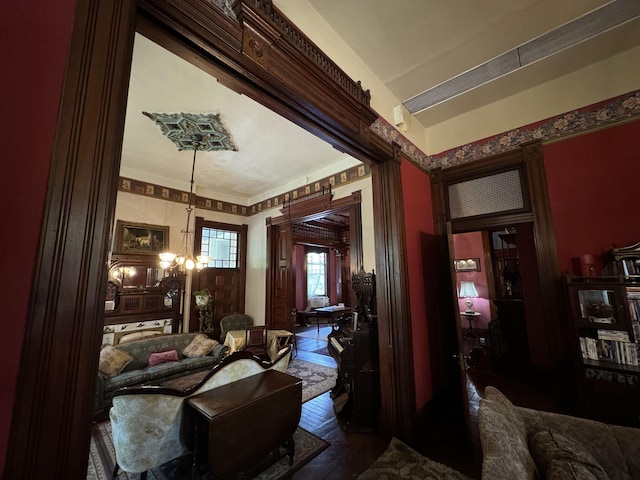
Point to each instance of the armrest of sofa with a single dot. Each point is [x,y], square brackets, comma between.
[220,351]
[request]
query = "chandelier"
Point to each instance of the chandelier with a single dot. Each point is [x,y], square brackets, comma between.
[184,259]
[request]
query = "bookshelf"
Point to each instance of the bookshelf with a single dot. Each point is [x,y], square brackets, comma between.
[626,262]
[604,316]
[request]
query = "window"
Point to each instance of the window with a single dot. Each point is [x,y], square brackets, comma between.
[316,274]
[221,246]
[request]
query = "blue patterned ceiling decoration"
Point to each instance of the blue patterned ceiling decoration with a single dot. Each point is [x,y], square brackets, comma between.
[180,128]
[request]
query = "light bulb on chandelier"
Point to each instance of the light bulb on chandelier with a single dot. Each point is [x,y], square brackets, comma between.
[185,259]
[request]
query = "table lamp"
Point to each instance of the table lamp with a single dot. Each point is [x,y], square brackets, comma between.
[468,292]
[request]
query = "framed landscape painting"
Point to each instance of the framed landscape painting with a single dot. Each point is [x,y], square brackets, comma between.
[141,238]
[467,265]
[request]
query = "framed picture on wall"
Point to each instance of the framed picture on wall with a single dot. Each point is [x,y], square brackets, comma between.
[467,265]
[141,238]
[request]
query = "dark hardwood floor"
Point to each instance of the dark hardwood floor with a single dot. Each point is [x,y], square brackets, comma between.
[444,439]
[350,453]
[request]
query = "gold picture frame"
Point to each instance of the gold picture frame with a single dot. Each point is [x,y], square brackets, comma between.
[467,264]
[141,238]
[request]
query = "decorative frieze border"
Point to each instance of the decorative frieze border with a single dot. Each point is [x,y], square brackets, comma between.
[594,116]
[598,115]
[160,192]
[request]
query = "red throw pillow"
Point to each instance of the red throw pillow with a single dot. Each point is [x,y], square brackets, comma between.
[163,357]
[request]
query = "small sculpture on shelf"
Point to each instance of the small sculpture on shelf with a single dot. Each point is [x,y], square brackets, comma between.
[204,305]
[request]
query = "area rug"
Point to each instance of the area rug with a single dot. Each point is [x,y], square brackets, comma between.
[316,379]
[322,351]
[102,459]
[399,461]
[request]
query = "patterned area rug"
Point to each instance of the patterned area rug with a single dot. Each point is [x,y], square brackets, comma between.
[102,459]
[316,380]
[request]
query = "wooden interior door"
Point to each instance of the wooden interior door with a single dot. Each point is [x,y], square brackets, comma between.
[459,372]
[227,290]
[281,279]
[226,285]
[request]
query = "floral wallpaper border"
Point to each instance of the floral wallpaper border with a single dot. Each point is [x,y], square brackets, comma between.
[160,192]
[593,116]
[578,121]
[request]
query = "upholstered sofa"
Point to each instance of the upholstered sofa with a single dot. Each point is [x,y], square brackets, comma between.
[520,443]
[147,422]
[152,361]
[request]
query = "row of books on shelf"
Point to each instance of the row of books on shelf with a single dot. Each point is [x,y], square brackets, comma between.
[630,266]
[633,297]
[612,346]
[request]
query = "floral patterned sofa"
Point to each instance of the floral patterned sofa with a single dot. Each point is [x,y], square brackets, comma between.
[153,360]
[521,443]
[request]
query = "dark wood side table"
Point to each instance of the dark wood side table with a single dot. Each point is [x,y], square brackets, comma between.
[246,422]
[331,313]
[469,316]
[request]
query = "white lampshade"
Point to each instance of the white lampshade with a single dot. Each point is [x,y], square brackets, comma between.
[468,290]
[167,257]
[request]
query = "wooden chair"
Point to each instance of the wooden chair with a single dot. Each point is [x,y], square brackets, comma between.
[234,321]
[256,341]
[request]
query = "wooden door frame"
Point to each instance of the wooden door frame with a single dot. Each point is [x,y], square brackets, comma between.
[530,158]
[262,55]
[315,209]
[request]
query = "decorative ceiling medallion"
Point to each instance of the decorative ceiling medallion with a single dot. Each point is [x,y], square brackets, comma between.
[180,128]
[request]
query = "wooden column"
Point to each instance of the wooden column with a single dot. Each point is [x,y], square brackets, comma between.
[394,318]
[54,406]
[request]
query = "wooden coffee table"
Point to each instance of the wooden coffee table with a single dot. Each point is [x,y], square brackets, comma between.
[244,423]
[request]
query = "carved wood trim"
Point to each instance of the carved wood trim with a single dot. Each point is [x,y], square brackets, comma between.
[394,317]
[530,159]
[546,253]
[54,397]
[56,386]
[276,64]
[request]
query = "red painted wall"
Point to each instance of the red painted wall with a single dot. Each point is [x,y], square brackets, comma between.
[593,184]
[35,38]
[416,195]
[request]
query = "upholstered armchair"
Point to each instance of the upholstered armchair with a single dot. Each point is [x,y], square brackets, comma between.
[147,422]
[235,321]
[146,428]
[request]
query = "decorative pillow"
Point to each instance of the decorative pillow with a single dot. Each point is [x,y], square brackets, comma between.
[113,361]
[200,346]
[401,461]
[506,408]
[505,450]
[560,458]
[157,358]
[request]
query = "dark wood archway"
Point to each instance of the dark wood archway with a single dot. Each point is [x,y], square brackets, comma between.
[259,54]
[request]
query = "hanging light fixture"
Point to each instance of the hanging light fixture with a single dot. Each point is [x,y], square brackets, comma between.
[185,259]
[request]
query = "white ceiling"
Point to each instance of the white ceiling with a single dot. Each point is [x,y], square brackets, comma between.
[414,45]
[410,45]
[272,151]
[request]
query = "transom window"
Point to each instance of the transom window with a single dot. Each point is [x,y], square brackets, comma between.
[221,246]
